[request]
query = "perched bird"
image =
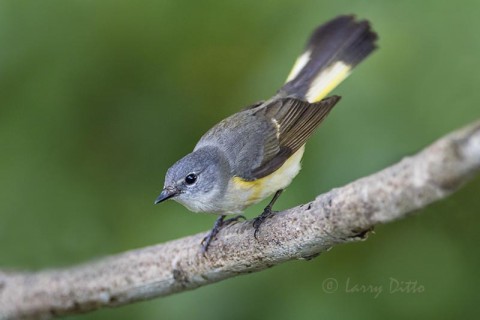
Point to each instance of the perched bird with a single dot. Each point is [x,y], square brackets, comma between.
[256,152]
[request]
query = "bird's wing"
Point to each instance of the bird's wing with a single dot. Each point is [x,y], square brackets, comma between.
[284,126]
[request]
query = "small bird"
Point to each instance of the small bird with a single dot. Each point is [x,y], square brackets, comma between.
[257,151]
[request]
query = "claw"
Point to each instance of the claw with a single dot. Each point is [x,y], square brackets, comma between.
[267,213]
[219,224]
[208,239]
[257,222]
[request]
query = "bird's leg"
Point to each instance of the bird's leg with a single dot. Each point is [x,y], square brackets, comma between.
[219,224]
[267,212]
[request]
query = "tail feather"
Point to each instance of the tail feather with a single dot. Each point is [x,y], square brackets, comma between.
[333,50]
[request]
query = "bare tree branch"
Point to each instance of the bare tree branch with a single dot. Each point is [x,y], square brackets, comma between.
[341,215]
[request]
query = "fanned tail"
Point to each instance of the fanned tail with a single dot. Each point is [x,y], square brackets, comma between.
[333,50]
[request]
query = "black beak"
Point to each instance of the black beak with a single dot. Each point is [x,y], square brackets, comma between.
[167,193]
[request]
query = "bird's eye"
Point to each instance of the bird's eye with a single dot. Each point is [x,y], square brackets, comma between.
[191,179]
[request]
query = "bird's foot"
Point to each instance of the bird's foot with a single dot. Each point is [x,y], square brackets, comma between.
[267,213]
[219,224]
[257,222]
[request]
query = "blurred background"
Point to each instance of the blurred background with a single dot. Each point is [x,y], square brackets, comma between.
[99,98]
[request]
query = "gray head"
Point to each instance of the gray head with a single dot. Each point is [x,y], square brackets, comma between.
[197,179]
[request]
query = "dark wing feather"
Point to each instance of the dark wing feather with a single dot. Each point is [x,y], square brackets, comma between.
[294,122]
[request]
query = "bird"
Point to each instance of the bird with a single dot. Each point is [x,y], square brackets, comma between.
[257,152]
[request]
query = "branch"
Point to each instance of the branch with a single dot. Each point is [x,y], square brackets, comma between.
[342,215]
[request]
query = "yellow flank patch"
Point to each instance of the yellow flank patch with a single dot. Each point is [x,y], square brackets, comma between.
[327,80]
[254,187]
[251,192]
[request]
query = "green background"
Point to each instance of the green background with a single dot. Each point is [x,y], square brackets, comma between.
[99,98]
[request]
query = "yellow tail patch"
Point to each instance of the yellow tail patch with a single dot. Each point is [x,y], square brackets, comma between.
[299,64]
[327,80]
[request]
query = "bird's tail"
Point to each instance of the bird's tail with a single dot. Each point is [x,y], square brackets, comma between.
[333,50]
